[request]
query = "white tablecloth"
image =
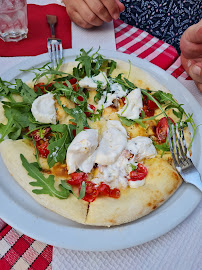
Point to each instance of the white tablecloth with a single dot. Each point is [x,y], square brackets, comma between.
[177,250]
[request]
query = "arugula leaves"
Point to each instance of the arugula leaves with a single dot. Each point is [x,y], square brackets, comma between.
[168,100]
[80,118]
[129,122]
[58,147]
[124,82]
[90,65]
[69,188]
[96,116]
[46,71]
[46,185]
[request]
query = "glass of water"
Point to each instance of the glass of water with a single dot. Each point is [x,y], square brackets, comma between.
[13,20]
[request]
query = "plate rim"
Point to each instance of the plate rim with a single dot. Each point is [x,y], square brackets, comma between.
[123,230]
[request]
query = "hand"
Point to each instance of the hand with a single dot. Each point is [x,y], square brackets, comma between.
[191,52]
[89,13]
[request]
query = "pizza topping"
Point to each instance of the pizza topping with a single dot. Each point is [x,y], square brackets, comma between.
[92,83]
[116,92]
[161,129]
[42,148]
[112,144]
[80,154]
[133,107]
[141,147]
[43,109]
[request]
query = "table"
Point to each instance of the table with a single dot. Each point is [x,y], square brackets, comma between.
[21,252]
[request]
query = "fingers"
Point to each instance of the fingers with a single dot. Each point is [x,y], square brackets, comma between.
[191,42]
[77,19]
[194,33]
[120,5]
[89,13]
[195,72]
[199,85]
[80,13]
[99,10]
[113,8]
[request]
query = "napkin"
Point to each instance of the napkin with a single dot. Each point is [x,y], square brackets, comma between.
[39,31]
[102,36]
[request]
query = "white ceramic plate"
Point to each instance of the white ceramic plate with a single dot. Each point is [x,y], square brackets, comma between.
[19,210]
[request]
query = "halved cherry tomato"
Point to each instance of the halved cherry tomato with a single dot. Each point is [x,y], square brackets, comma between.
[80,98]
[75,87]
[123,99]
[161,129]
[36,135]
[77,178]
[74,132]
[42,86]
[147,111]
[91,192]
[73,81]
[104,189]
[115,193]
[151,105]
[42,148]
[88,114]
[139,174]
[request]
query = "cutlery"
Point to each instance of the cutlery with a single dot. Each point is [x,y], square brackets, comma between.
[181,157]
[54,44]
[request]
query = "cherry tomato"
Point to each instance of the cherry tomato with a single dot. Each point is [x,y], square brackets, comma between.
[36,135]
[115,193]
[80,98]
[42,86]
[123,99]
[42,148]
[104,189]
[74,132]
[139,174]
[151,105]
[161,129]
[88,114]
[91,192]
[75,87]
[73,81]
[77,178]
[147,111]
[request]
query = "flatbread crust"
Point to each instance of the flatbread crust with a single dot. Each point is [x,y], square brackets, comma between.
[160,184]
[136,202]
[71,208]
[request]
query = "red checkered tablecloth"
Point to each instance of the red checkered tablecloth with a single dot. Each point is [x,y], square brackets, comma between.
[18,251]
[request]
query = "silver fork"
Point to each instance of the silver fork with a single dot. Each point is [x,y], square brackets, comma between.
[181,157]
[54,44]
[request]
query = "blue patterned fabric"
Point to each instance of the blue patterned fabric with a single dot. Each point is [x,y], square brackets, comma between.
[164,19]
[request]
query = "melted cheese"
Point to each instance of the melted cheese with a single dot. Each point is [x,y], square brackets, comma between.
[112,144]
[92,82]
[116,91]
[43,109]
[141,147]
[80,154]
[133,107]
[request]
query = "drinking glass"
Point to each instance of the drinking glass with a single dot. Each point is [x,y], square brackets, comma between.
[13,20]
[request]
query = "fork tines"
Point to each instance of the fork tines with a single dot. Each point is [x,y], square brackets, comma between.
[178,148]
[55,50]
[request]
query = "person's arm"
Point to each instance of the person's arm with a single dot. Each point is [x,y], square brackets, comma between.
[89,13]
[191,52]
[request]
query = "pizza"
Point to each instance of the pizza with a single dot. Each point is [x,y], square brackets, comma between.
[88,139]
